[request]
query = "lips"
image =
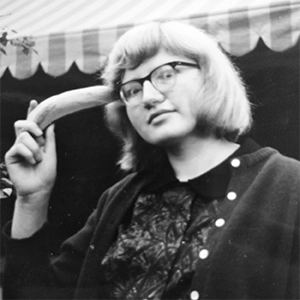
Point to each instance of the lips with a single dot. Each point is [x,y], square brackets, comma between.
[158,113]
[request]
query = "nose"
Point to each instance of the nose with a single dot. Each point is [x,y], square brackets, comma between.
[150,94]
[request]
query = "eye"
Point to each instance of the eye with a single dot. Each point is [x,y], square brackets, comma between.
[131,89]
[165,73]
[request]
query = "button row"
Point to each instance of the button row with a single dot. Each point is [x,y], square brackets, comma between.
[204,253]
[235,163]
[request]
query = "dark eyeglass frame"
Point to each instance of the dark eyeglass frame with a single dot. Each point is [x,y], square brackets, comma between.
[141,81]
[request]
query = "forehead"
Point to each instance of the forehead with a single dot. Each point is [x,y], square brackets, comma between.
[148,65]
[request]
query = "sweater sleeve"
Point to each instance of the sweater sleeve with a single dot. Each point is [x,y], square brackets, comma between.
[31,273]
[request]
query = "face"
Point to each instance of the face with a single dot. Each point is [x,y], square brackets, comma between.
[165,118]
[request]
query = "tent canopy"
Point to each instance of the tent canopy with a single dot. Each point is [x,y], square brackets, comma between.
[83,32]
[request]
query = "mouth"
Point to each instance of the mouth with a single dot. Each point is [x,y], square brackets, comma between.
[158,113]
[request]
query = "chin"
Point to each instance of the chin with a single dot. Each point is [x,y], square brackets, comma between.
[166,135]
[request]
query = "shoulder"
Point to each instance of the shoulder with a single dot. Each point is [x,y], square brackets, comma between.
[124,188]
[270,160]
[283,164]
[125,183]
[271,156]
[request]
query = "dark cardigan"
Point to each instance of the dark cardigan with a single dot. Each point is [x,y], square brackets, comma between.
[255,255]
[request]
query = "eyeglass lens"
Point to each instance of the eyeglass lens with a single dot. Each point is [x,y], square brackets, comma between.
[162,79]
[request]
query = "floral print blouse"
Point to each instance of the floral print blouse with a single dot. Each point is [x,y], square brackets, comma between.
[156,250]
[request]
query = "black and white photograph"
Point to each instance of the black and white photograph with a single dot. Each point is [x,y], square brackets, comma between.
[150,149]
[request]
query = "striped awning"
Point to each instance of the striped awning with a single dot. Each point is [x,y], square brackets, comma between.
[62,32]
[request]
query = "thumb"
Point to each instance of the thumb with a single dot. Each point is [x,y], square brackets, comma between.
[32,105]
[50,144]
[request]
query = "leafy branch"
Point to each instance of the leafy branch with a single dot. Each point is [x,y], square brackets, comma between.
[26,43]
[6,186]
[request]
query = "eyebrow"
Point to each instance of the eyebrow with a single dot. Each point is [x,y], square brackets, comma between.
[140,78]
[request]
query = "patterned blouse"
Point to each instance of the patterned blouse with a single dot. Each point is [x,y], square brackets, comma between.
[157,248]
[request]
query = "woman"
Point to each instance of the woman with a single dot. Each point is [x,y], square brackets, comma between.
[201,214]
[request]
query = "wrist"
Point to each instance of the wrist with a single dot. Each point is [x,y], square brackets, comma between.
[33,197]
[30,214]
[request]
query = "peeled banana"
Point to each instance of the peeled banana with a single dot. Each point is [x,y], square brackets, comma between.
[69,102]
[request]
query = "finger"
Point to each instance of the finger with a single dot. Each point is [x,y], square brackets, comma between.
[50,144]
[40,140]
[30,142]
[25,125]
[32,105]
[18,153]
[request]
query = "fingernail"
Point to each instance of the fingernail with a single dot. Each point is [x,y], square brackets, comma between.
[33,161]
[38,158]
[39,132]
[40,140]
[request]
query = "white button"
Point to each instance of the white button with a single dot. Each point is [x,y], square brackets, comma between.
[220,222]
[235,162]
[203,253]
[194,295]
[231,196]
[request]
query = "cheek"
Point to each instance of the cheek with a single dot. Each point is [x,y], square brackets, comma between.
[134,118]
[129,114]
[195,103]
[197,99]
[189,102]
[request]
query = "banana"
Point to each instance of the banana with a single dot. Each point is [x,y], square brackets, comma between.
[69,102]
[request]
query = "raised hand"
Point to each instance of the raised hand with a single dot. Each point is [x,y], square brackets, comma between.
[31,164]
[31,161]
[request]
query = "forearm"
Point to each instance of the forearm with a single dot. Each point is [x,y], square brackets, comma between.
[30,214]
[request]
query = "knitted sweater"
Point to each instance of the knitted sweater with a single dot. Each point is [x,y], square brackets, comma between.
[254,255]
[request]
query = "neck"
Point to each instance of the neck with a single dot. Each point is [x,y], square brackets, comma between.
[197,157]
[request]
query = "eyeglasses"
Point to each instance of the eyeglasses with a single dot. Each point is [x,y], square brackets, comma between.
[163,78]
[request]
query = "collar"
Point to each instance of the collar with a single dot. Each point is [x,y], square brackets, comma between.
[212,184]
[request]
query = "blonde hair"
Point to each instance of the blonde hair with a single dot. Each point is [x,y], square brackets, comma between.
[223,106]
